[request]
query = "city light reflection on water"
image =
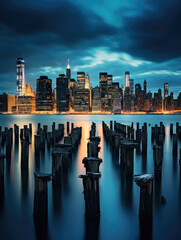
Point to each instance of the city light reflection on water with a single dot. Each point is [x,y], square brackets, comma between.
[119,200]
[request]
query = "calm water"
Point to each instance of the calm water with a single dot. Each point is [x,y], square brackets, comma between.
[119,203]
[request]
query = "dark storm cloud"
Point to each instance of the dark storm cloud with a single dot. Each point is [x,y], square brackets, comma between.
[65,23]
[155,34]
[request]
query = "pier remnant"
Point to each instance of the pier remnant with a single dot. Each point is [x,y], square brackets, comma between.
[145,182]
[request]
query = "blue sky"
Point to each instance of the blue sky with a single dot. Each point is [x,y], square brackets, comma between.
[142,37]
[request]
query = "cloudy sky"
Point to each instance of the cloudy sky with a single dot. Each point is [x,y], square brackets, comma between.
[143,37]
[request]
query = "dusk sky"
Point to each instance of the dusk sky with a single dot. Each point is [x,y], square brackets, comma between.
[143,37]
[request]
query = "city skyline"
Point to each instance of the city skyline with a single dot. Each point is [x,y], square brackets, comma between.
[112,41]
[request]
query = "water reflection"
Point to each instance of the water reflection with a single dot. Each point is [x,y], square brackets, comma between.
[119,206]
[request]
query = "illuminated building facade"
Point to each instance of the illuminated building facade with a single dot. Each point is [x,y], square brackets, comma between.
[81,80]
[131,85]
[62,93]
[82,100]
[7,102]
[103,88]
[20,76]
[44,99]
[126,79]
[96,101]
[68,72]
[116,102]
[26,104]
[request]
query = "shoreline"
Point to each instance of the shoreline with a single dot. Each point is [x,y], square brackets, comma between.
[137,113]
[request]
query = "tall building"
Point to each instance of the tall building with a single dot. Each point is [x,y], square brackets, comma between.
[131,85]
[27,102]
[139,97]
[109,80]
[68,71]
[20,76]
[165,90]
[116,102]
[96,102]
[44,98]
[7,101]
[81,80]
[81,100]
[126,79]
[103,87]
[145,88]
[87,84]
[62,93]
[128,101]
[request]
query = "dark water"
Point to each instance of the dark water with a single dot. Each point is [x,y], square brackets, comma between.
[119,202]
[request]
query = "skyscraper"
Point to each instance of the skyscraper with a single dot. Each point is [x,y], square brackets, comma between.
[145,88]
[96,102]
[109,81]
[103,87]
[165,90]
[62,93]
[131,84]
[20,76]
[127,79]
[44,98]
[81,80]
[87,86]
[116,102]
[82,100]
[68,72]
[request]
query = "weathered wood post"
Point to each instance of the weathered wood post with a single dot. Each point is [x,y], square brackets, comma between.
[171,129]
[145,182]
[157,155]
[8,143]
[92,164]
[68,127]
[175,144]
[2,157]
[56,167]
[91,194]
[24,154]
[111,125]
[37,145]
[40,210]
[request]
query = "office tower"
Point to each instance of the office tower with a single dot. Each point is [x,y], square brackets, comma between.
[87,86]
[68,71]
[116,102]
[131,84]
[20,76]
[128,101]
[62,93]
[81,100]
[165,90]
[109,80]
[157,101]
[126,79]
[44,98]
[139,97]
[96,102]
[7,102]
[103,87]
[27,102]
[145,88]
[122,86]
[71,94]
[81,80]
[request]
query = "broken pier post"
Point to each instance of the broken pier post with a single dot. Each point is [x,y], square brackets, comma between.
[145,182]
[40,210]
[92,164]
[91,194]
